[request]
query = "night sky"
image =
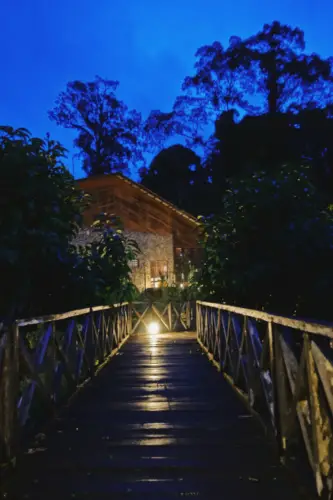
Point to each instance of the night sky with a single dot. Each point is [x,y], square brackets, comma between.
[148,45]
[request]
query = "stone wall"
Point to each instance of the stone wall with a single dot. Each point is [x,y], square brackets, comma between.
[154,248]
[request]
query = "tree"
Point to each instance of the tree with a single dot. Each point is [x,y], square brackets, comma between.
[40,213]
[272,248]
[42,270]
[273,64]
[266,73]
[255,142]
[213,90]
[315,145]
[109,134]
[176,175]
[268,141]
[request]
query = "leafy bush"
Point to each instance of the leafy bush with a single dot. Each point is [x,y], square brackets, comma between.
[40,215]
[273,247]
[103,266]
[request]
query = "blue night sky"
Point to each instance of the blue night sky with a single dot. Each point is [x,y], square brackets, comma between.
[148,45]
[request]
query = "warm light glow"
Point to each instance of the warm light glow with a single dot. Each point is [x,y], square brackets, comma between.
[153,328]
[182,285]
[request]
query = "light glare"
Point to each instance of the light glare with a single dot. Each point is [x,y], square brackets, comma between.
[153,328]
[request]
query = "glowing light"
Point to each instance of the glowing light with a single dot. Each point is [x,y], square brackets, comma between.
[182,285]
[153,328]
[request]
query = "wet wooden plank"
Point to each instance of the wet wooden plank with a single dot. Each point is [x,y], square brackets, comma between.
[158,422]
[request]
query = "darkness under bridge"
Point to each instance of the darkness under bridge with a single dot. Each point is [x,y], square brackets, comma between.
[135,410]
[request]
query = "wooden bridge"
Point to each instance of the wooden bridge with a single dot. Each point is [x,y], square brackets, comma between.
[121,402]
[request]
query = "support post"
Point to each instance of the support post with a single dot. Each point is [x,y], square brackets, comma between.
[272,343]
[9,391]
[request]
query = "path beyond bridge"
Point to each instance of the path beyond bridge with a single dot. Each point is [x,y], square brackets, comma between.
[158,422]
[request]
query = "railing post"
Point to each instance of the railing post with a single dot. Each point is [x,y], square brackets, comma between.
[9,390]
[198,319]
[129,319]
[90,346]
[219,339]
[170,316]
[188,315]
[273,353]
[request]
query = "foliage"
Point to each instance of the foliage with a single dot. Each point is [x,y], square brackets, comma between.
[271,64]
[267,141]
[41,212]
[103,268]
[109,134]
[176,175]
[271,104]
[273,247]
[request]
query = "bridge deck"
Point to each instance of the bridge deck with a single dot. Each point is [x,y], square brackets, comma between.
[157,422]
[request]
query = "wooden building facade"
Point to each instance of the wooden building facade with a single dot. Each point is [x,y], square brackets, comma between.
[167,236]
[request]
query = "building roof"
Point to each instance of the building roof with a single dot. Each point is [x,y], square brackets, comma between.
[149,193]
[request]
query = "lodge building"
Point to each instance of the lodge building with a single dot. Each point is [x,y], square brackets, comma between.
[167,237]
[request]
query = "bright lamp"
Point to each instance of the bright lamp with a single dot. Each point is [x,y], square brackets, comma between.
[153,328]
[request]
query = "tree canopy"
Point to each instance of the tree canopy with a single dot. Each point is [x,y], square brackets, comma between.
[268,72]
[109,134]
[176,174]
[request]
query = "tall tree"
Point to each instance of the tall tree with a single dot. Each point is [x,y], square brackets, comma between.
[268,72]
[315,143]
[273,64]
[176,174]
[264,141]
[269,141]
[109,134]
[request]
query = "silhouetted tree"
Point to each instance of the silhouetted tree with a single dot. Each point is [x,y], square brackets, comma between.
[177,175]
[269,141]
[315,145]
[264,141]
[109,134]
[273,64]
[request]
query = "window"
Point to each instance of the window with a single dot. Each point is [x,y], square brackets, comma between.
[155,282]
[158,272]
[158,268]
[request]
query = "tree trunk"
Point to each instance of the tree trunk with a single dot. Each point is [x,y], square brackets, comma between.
[272,84]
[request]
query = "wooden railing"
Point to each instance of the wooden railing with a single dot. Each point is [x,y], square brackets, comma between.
[44,360]
[284,369]
[171,316]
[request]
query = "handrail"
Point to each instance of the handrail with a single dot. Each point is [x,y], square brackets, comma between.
[297,324]
[45,359]
[69,314]
[283,368]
